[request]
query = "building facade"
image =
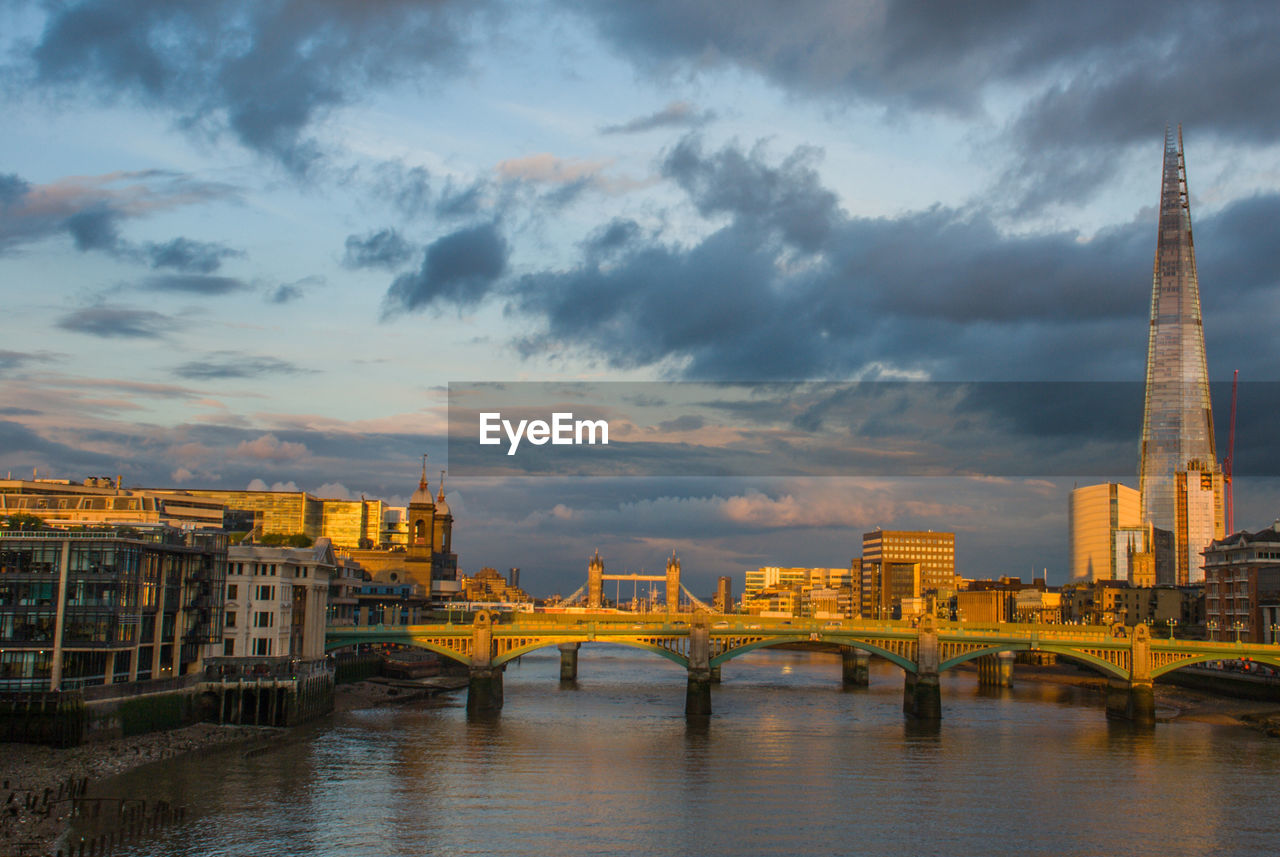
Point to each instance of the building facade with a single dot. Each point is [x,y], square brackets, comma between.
[886,573]
[102,501]
[1242,586]
[107,605]
[277,601]
[1179,476]
[1103,526]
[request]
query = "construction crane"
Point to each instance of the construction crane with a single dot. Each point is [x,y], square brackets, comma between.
[1231,453]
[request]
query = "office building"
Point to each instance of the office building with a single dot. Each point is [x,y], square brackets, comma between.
[100,606]
[1104,525]
[886,554]
[1179,477]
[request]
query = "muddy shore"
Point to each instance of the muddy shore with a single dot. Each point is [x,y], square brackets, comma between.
[30,769]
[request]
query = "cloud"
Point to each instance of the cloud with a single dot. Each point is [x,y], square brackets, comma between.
[261,72]
[194,284]
[1092,80]
[12,189]
[677,114]
[91,209]
[788,197]
[268,447]
[223,365]
[385,248]
[188,256]
[545,168]
[109,322]
[460,268]
[18,359]
[259,485]
[817,293]
[288,292]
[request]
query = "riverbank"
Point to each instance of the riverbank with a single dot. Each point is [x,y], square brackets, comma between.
[29,824]
[1172,702]
[32,769]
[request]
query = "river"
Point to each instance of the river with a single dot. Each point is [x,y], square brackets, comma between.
[789,764]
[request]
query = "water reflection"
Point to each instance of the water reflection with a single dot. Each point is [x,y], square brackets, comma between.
[789,763]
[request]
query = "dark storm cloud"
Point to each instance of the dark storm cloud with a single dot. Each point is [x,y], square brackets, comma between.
[261,71]
[943,291]
[109,322]
[16,438]
[677,114]
[789,197]
[1101,77]
[460,268]
[194,284]
[188,256]
[385,248]
[222,365]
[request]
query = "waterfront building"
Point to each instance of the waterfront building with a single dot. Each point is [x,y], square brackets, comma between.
[886,573]
[1242,586]
[1102,521]
[1111,602]
[382,603]
[487,585]
[100,606]
[101,500]
[1179,477]
[277,600]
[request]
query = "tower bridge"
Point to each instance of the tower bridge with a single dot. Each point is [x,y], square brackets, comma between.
[1129,657]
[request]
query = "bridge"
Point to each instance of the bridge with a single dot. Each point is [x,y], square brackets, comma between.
[1131,658]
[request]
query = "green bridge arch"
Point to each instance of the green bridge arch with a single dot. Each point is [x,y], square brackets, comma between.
[830,639]
[629,643]
[1200,659]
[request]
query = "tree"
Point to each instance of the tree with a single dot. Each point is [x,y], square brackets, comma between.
[290,540]
[22,521]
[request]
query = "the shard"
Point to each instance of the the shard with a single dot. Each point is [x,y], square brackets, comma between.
[1179,476]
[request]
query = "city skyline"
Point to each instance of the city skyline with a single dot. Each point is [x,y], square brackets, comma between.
[214,283]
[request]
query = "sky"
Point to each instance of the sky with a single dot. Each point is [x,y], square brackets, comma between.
[254,243]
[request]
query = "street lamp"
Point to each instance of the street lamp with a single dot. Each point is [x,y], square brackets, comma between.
[1237,626]
[1172,624]
[1213,628]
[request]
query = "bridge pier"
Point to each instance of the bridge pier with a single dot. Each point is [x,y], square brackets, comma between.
[921,696]
[996,670]
[855,667]
[484,690]
[569,661]
[715,675]
[697,697]
[1134,700]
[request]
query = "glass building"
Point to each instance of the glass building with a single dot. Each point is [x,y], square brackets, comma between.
[98,606]
[1177,428]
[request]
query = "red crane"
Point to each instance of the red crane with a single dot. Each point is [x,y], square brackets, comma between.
[1231,452]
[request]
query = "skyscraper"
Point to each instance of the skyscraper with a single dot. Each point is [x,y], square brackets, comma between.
[1177,427]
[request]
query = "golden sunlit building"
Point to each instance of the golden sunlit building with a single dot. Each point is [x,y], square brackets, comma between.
[1096,517]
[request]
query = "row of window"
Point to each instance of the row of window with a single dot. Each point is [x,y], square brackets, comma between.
[264,569]
[261,619]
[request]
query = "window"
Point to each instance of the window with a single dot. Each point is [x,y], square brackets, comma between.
[265,593]
[232,591]
[262,647]
[229,647]
[231,620]
[264,619]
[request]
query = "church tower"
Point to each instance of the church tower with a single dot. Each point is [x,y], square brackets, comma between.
[422,548]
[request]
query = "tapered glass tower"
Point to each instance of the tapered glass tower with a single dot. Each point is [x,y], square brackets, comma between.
[1179,476]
